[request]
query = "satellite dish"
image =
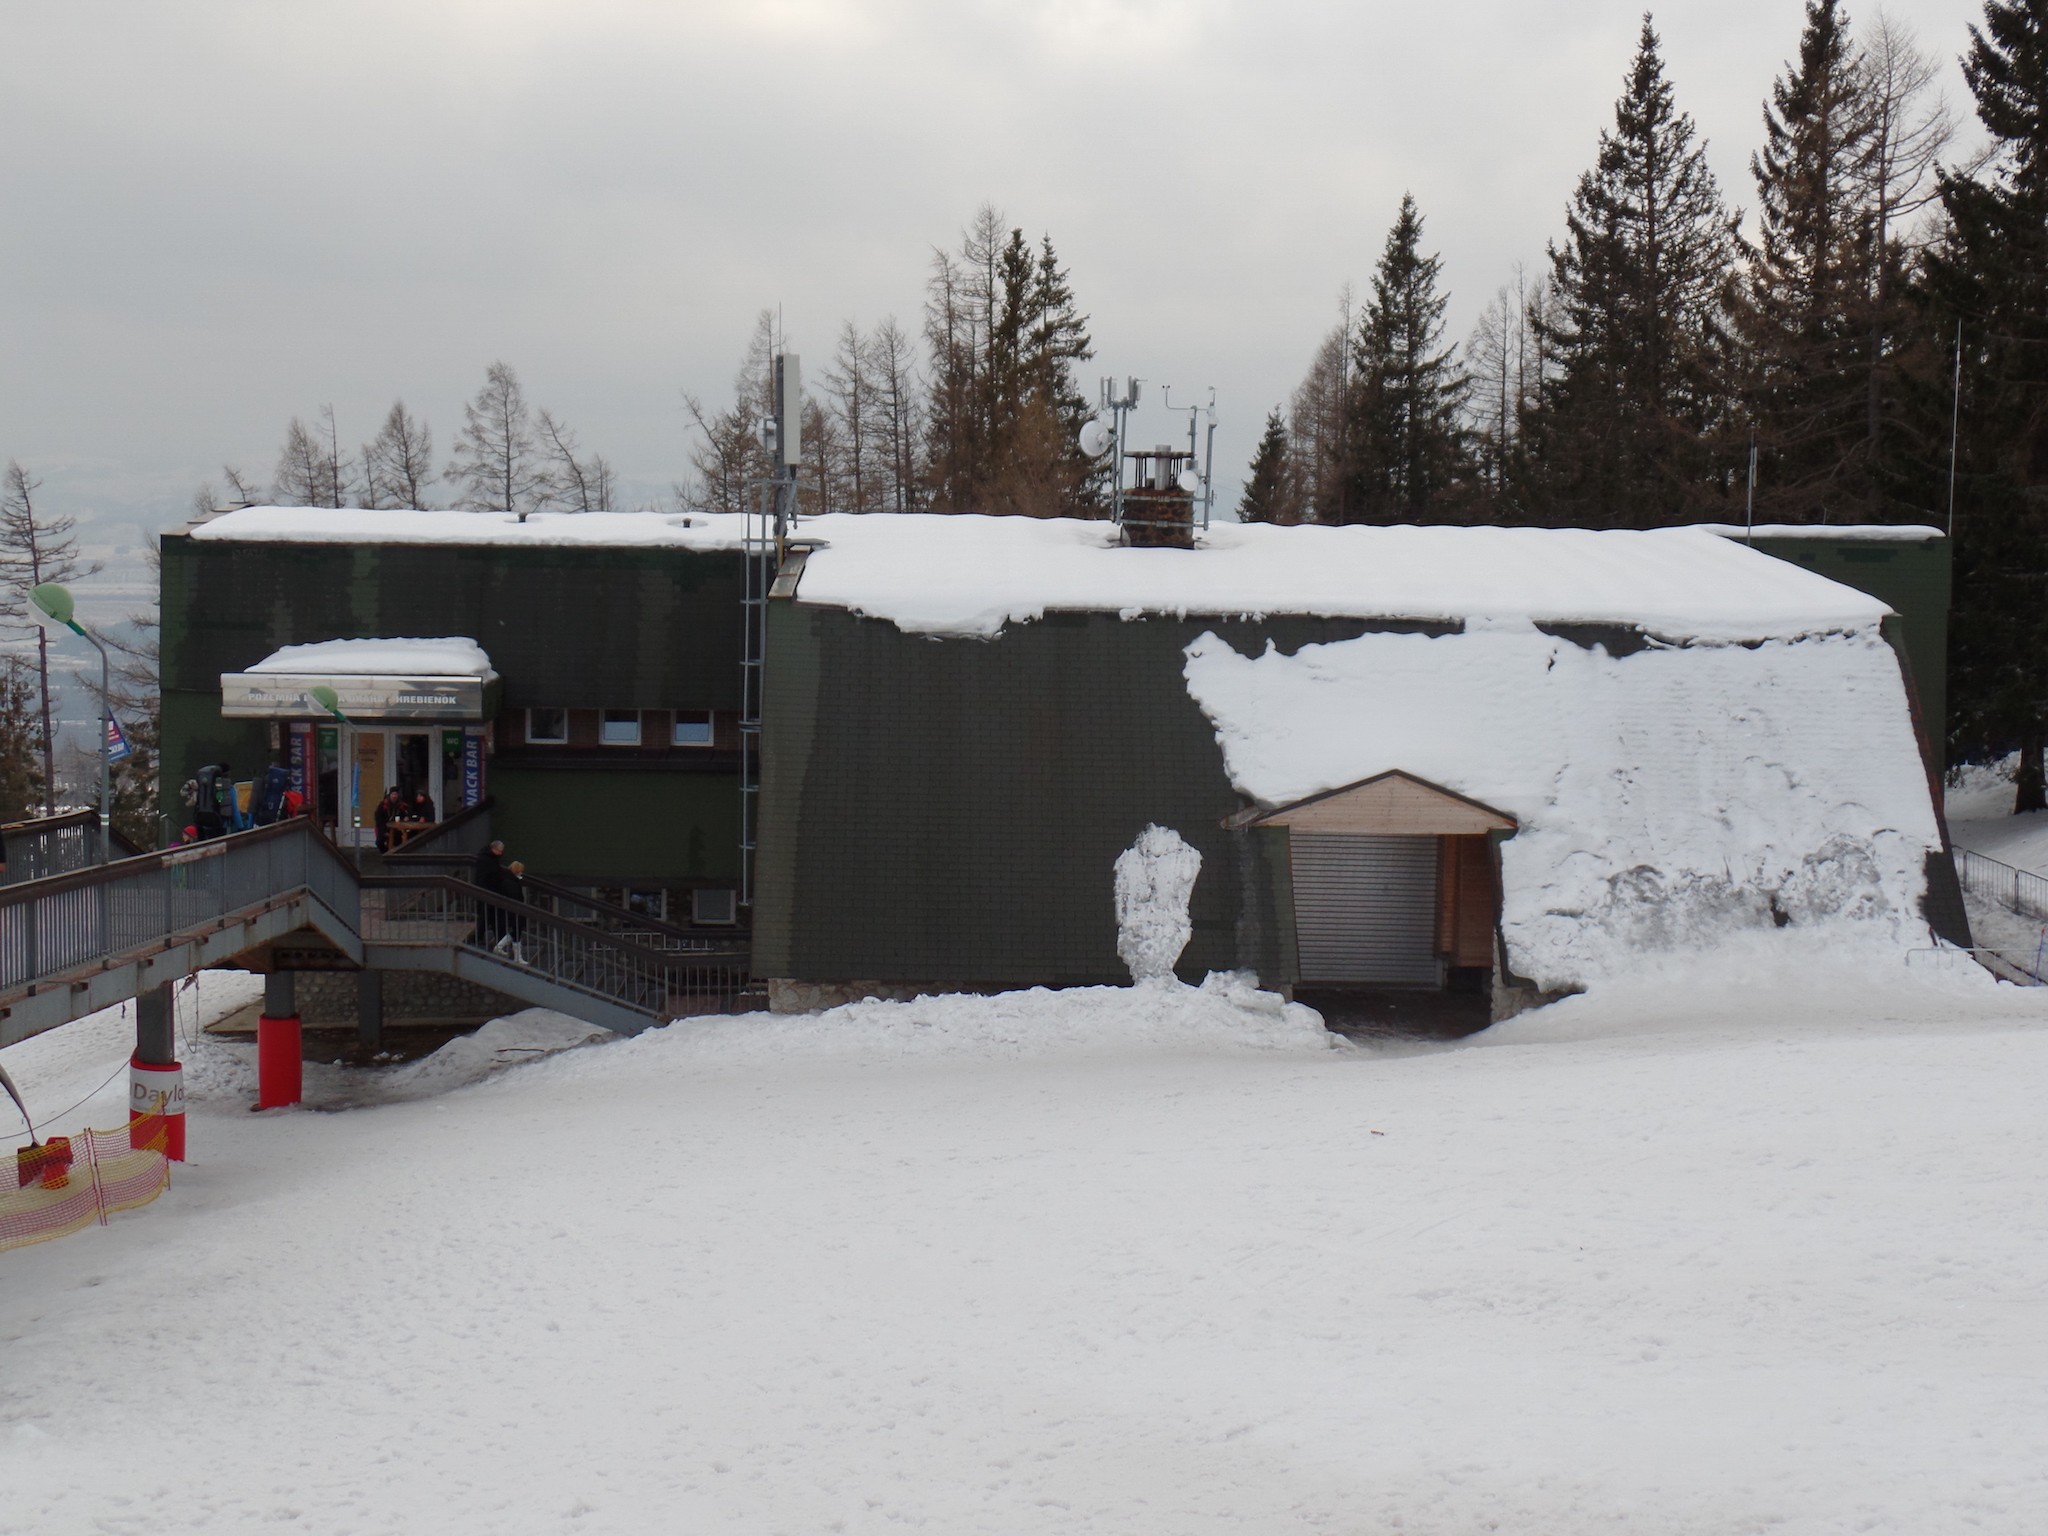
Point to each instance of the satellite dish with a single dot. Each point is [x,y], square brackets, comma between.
[1095,439]
[1189,481]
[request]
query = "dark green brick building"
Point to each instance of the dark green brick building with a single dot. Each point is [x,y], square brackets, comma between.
[960,741]
[607,743]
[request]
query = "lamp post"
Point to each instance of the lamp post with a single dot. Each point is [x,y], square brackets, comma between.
[53,609]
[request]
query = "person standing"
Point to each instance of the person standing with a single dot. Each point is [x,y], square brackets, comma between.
[501,929]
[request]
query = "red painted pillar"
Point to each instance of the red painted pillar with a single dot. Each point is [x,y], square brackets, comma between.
[156,1083]
[280,1059]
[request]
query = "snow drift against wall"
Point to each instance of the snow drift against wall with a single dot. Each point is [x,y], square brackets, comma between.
[1666,798]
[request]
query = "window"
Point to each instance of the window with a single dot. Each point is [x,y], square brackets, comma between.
[713,907]
[652,904]
[691,730]
[620,728]
[547,726]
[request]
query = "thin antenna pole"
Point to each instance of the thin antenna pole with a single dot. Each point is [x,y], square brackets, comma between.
[1955,419]
[1749,508]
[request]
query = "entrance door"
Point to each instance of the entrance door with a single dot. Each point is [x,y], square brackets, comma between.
[416,766]
[369,782]
[1365,909]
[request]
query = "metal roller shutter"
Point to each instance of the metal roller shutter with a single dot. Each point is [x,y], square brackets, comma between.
[1365,909]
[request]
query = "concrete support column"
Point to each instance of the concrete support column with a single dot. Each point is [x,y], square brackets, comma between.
[280,1058]
[370,1011]
[156,1083]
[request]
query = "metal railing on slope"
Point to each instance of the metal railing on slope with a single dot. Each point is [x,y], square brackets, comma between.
[66,923]
[2017,890]
[46,846]
[438,911]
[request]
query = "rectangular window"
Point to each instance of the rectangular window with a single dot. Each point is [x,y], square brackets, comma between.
[713,907]
[547,726]
[620,728]
[691,730]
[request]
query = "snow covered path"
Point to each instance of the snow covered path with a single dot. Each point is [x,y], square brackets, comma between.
[1774,1265]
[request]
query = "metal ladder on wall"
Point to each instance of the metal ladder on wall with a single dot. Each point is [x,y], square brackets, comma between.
[771,512]
[759,549]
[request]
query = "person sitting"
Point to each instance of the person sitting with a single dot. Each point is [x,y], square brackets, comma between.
[389,809]
[421,809]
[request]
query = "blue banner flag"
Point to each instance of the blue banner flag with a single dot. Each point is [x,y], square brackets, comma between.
[117,741]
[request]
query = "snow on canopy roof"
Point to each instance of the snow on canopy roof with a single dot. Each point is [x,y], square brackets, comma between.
[1847,533]
[357,525]
[454,656]
[971,575]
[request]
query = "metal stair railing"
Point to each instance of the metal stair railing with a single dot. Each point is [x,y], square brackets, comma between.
[452,842]
[438,911]
[648,932]
[95,916]
[72,942]
[47,846]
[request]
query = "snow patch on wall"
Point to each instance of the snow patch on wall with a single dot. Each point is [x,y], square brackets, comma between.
[1155,882]
[1666,799]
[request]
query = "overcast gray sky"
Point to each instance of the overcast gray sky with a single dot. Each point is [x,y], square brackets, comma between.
[219,214]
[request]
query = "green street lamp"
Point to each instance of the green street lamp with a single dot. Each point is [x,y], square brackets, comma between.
[52,607]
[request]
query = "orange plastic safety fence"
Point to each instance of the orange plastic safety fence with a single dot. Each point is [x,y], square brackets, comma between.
[70,1182]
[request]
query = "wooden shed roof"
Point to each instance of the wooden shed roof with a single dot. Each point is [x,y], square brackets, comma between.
[1387,803]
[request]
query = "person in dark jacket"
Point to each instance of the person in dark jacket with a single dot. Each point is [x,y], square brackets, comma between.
[495,925]
[389,809]
[421,809]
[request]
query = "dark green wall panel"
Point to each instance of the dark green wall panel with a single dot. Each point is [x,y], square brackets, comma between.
[625,628]
[1912,577]
[951,811]
[619,827]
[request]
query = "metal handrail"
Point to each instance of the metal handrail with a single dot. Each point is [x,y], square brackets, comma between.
[99,916]
[2017,890]
[438,910]
[458,838]
[655,932]
[87,921]
[42,846]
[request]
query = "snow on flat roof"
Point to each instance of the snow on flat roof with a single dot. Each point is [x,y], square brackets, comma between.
[1871,533]
[357,525]
[455,656]
[972,575]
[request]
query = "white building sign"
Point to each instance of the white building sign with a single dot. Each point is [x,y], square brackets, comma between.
[289,696]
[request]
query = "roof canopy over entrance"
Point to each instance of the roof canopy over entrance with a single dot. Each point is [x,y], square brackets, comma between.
[446,679]
[1387,804]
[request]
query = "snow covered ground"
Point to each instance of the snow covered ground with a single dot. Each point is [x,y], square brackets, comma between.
[1980,818]
[1740,1257]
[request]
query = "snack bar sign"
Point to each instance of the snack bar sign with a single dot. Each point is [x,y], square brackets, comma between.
[289,696]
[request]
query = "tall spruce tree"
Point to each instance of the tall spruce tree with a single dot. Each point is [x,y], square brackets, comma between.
[1004,334]
[1989,274]
[23,787]
[1406,440]
[1802,306]
[1270,495]
[1625,436]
